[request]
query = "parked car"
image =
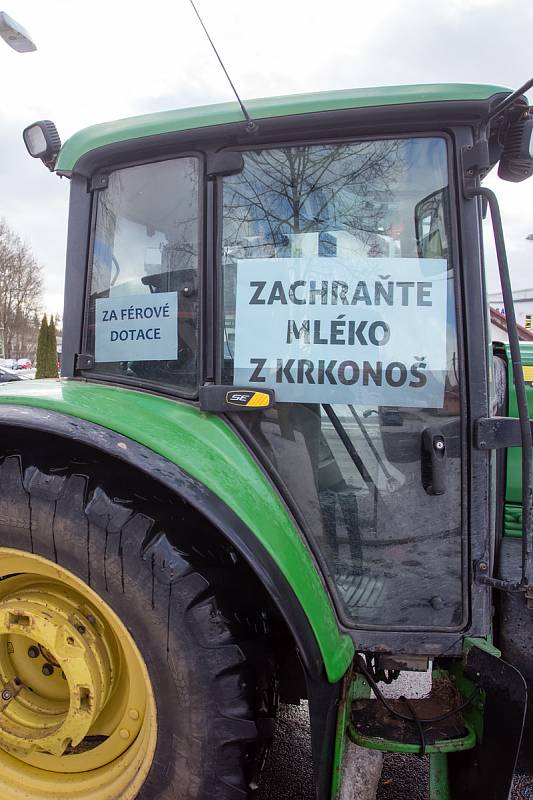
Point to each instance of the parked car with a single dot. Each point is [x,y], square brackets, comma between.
[9,375]
[24,363]
[9,363]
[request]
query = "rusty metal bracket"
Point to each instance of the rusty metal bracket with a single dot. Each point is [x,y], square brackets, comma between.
[496,433]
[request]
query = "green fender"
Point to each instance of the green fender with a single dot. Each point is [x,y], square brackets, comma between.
[207,449]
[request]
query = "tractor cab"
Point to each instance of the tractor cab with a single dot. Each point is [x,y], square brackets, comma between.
[334,259]
[316,282]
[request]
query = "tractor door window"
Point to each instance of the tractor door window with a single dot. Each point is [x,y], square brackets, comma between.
[339,295]
[143,304]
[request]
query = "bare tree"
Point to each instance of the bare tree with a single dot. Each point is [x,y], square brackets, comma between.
[302,189]
[21,285]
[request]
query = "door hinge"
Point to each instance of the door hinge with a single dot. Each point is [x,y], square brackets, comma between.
[475,161]
[99,182]
[84,361]
[224,164]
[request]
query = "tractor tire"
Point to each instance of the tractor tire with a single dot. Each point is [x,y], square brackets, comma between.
[208,672]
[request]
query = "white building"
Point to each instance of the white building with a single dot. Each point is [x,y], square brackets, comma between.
[523,306]
[498,328]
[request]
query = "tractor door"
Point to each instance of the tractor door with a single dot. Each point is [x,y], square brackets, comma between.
[340,294]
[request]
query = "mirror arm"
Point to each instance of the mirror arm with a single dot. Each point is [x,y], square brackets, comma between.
[509,100]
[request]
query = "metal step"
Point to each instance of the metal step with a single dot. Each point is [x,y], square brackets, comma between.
[372,725]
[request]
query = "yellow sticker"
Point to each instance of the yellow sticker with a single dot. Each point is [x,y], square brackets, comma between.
[259,400]
[528,374]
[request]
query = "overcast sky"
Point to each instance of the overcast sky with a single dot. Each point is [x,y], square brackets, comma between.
[104,60]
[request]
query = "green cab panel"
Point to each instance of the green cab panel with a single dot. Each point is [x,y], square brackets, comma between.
[224,113]
[207,449]
[513,488]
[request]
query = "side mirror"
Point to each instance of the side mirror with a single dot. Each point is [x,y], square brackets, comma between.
[430,214]
[516,162]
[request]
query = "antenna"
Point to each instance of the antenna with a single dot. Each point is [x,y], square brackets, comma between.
[250,124]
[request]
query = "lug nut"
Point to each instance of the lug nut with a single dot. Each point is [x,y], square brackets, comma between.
[48,670]
[81,629]
[33,651]
[7,695]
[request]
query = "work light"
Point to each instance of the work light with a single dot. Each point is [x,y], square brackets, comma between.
[42,141]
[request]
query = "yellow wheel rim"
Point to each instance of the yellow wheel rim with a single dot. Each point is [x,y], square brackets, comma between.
[77,709]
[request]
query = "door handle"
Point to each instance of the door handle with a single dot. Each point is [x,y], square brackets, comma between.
[433,462]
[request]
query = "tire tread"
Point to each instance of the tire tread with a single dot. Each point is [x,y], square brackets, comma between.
[115,542]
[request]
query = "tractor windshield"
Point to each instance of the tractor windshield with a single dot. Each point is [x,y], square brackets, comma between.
[339,294]
[143,300]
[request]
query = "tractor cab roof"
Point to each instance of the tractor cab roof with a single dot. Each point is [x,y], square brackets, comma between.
[187,119]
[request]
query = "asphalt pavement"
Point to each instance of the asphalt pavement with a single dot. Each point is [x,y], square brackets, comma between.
[288,773]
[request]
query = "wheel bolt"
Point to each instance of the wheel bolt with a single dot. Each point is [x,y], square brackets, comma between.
[33,651]
[48,670]
[7,695]
[80,629]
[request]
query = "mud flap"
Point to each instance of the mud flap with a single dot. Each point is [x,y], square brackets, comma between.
[486,772]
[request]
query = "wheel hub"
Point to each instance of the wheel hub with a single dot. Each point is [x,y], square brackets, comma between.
[42,613]
[77,710]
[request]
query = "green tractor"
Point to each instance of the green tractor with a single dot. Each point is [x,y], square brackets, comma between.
[275,465]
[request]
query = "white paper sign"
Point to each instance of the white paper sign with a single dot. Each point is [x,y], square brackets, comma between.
[137,328]
[343,330]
